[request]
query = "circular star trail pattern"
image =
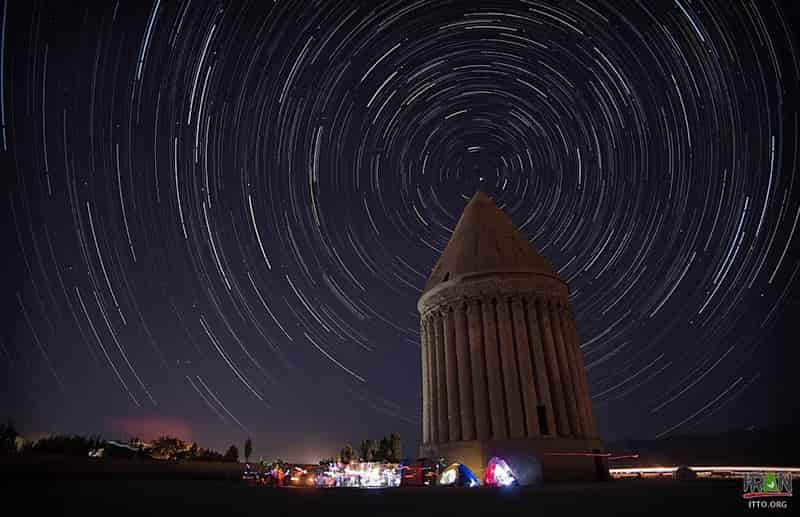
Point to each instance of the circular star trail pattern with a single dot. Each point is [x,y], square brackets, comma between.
[224,213]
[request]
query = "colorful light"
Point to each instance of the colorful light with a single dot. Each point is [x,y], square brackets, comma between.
[448,477]
[458,474]
[498,473]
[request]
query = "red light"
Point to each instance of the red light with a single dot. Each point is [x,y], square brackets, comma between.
[627,456]
[588,454]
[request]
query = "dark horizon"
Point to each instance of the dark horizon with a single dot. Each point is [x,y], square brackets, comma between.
[218,221]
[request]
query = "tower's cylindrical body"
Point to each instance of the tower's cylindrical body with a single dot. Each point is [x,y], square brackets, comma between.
[503,373]
[524,339]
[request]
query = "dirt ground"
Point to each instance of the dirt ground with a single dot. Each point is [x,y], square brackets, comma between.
[214,497]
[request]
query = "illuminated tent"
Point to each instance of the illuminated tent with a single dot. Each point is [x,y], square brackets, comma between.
[458,475]
[498,473]
[519,469]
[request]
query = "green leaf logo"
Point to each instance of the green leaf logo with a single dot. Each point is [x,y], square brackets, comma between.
[770,482]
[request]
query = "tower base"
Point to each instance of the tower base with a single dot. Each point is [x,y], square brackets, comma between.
[533,460]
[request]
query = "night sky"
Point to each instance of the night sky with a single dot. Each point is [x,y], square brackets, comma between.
[218,216]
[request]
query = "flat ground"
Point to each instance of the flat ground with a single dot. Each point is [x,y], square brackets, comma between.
[202,497]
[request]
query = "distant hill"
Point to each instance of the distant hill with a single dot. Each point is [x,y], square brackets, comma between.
[756,447]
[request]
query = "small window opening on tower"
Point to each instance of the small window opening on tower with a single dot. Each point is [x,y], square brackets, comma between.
[542,414]
[446,277]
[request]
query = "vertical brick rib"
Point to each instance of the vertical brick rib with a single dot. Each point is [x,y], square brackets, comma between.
[565,369]
[480,389]
[426,396]
[495,383]
[450,359]
[441,379]
[515,415]
[541,378]
[464,373]
[525,367]
[553,373]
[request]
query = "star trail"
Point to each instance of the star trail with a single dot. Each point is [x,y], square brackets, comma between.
[224,212]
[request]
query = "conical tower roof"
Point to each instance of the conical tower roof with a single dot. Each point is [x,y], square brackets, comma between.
[486,240]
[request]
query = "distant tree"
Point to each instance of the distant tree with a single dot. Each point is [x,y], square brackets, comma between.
[397,447]
[209,455]
[384,450]
[377,452]
[365,450]
[248,449]
[70,445]
[232,454]
[8,438]
[347,454]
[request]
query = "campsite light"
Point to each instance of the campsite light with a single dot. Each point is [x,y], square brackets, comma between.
[448,477]
[498,473]
[503,475]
